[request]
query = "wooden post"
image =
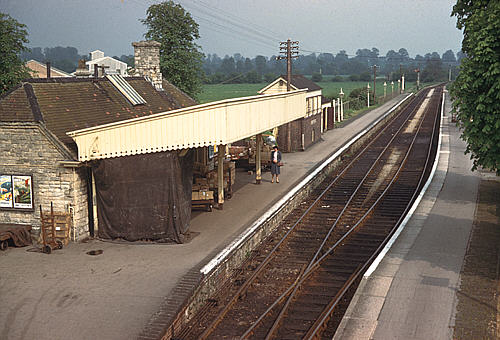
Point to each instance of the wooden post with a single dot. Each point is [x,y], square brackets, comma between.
[221,150]
[341,109]
[258,173]
[334,111]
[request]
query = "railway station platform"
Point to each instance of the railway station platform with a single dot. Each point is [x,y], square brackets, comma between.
[411,292]
[70,294]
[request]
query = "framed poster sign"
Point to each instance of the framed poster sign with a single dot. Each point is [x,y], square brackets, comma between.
[23,191]
[6,191]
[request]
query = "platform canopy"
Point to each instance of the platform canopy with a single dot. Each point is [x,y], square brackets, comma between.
[215,123]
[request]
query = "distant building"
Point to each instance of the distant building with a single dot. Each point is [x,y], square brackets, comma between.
[39,70]
[111,65]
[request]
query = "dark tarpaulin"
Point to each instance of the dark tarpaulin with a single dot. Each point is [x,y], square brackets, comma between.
[18,233]
[144,197]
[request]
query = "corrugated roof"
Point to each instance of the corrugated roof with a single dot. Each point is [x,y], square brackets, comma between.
[68,104]
[126,89]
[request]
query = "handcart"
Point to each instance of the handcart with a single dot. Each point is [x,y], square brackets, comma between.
[55,229]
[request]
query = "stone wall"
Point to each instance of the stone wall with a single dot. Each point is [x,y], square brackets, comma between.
[147,61]
[28,149]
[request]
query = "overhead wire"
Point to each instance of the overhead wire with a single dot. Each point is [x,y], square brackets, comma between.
[252,36]
[238,25]
[241,19]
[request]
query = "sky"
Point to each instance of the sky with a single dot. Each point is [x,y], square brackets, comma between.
[250,27]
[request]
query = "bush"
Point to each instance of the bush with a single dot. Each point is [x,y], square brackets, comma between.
[253,77]
[356,104]
[354,77]
[338,79]
[365,76]
[269,77]
[359,93]
[317,77]
[216,78]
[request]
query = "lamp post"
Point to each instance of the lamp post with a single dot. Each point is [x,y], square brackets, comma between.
[418,78]
[385,89]
[399,86]
[368,94]
[341,108]
[392,88]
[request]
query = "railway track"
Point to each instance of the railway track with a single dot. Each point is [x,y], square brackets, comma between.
[291,287]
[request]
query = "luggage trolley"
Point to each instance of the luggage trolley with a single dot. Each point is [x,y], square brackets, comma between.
[55,229]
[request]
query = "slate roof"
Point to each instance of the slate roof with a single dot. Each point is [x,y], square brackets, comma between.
[179,97]
[301,82]
[67,104]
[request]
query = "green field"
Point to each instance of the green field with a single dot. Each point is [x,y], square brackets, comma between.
[224,91]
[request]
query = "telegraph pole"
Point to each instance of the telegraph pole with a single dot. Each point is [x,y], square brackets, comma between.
[374,84]
[290,49]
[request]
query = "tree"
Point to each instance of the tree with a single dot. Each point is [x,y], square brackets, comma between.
[180,57]
[269,77]
[253,77]
[227,66]
[403,53]
[476,91]
[35,53]
[12,43]
[317,77]
[449,57]
[433,71]
[260,64]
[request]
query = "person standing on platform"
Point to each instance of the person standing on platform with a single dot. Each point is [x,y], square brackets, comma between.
[275,164]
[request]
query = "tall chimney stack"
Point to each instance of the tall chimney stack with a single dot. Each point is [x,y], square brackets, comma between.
[147,61]
[82,71]
[48,69]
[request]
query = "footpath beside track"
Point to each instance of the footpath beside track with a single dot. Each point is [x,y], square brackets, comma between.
[290,286]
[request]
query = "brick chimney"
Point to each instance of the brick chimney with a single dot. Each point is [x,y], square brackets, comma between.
[147,61]
[82,71]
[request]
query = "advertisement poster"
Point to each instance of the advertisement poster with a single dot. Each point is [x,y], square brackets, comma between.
[22,189]
[5,191]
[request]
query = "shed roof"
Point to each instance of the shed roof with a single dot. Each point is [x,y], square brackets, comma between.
[39,70]
[67,104]
[299,82]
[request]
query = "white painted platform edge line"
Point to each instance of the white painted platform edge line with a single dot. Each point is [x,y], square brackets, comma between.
[221,256]
[394,237]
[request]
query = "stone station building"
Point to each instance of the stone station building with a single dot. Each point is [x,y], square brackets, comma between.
[34,119]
